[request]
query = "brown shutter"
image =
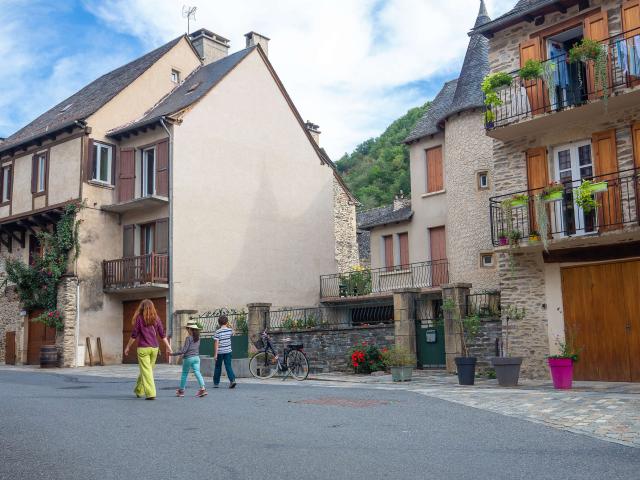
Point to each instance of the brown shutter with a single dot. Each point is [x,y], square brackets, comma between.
[114,162]
[127,175]
[46,171]
[537,178]
[435,181]
[388,251]
[1,182]
[404,248]
[34,174]
[162,236]
[10,183]
[162,168]
[438,243]
[128,241]
[605,160]
[635,130]
[90,162]
[536,93]
[596,27]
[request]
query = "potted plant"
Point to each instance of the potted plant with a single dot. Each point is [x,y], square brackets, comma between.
[534,237]
[467,329]
[589,50]
[519,200]
[508,368]
[490,86]
[561,365]
[532,70]
[552,192]
[400,361]
[584,195]
[502,238]
[514,237]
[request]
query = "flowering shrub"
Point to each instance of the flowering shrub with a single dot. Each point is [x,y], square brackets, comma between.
[51,318]
[365,358]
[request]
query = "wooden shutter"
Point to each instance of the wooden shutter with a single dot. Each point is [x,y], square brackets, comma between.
[631,27]
[162,236]
[404,248]
[635,130]
[536,93]
[90,162]
[10,183]
[537,178]
[162,168]
[34,174]
[435,181]
[438,243]
[605,160]
[128,241]
[388,251]
[127,175]
[1,182]
[115,154]
[596,27]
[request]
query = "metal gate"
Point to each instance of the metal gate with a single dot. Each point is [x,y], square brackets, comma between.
[430,349]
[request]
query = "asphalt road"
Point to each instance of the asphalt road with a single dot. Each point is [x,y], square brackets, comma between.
[64,427]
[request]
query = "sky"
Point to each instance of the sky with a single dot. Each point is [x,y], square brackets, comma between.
[350,66]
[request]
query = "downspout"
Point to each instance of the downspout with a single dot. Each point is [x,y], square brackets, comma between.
[77,339]
[170,308]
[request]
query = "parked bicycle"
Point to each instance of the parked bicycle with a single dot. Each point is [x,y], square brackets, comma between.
[266,363]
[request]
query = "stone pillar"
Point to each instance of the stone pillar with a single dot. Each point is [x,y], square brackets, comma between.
[256,321]
[456,292]
[67,340]
[404,318]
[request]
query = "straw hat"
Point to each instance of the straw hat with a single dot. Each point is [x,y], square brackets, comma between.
[193,325]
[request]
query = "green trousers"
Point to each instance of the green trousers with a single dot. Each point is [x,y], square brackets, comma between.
[146,360]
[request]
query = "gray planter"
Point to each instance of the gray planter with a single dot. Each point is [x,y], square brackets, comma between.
[401,374]
[507,370]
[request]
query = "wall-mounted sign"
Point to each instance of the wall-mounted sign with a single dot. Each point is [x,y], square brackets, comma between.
[431,336]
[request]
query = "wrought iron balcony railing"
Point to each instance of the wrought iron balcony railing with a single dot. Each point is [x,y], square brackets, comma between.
[616,203]
[380,280]
[134,272]
[567,85]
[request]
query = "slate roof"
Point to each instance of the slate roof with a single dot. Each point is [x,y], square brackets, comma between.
[195,86]
[88,100]
[519,10]
[375,217]
[363,238]
[428,124]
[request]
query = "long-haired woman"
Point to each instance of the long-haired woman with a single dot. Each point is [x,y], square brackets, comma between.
[147,327]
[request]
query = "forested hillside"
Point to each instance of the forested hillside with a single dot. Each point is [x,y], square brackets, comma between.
[379,167]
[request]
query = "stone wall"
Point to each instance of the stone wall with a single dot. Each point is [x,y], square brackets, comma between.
[327,349]
[468,152]
[344,221]
[484,345]
[67,340]
[10,320]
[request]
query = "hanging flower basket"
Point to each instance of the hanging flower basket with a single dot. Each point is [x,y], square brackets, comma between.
[553,196]
[597,187]
[519,201]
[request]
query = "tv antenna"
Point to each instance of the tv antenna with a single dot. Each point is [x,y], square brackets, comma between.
[189,13]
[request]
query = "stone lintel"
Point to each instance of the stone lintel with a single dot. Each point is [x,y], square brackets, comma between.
[456,285]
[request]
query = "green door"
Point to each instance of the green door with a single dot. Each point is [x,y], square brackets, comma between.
[430,343]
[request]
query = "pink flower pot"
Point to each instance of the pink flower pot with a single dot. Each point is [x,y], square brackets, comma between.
[561,372]
[503,241]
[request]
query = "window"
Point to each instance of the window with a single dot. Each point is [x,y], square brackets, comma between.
[483,180]
[434,170]
[148,172]
[39,173]
[486,260]
[175,76]
[103,159]
[147,239]
[5,184]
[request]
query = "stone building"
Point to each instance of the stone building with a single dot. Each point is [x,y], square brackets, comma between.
[203,188]
[573,261]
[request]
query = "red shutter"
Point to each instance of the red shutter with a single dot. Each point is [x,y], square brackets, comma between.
[162,168]
[162,236]
[128,241]
[404,248]
[388,252]
[90,162]
[34,174]
[127,175]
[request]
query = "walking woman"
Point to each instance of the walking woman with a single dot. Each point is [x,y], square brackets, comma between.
[147,327]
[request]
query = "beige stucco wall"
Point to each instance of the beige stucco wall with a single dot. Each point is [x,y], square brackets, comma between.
[64,171]
[21,200]
[468,152]
[377,250]
[253,207]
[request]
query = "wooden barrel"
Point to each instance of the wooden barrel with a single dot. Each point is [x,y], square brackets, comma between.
[48,356]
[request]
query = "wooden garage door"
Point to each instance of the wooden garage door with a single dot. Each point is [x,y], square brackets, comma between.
[602,315]
[128,309]
[39,335]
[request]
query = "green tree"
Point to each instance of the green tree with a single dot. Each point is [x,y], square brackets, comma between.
[378,168]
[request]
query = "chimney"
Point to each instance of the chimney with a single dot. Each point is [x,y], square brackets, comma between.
[254,38]
[400,201]
[314,130]
[210,46]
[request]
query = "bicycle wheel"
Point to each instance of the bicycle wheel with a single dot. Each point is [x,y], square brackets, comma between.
[298,364]
[263,365]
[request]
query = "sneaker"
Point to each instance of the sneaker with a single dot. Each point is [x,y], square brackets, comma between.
[150,398]
[232,385]
[179,392]
[216,386]
[202,392]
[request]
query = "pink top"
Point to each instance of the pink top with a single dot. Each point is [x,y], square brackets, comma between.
[147,335]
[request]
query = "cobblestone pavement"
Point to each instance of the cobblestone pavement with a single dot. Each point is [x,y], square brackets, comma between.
[607,411]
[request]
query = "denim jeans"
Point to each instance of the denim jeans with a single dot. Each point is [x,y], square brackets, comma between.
[226,358]
[191,363]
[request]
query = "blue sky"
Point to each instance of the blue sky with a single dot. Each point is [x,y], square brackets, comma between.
[351,66]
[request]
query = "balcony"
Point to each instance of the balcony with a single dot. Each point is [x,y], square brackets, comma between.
[382,281]
[615,206]
[140,203]
[573,86]
[143,274]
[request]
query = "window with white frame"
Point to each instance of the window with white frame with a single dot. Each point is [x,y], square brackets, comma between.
[483,180]
[175,76]
[103,158]
[148,172]
[6,184]
[39,173]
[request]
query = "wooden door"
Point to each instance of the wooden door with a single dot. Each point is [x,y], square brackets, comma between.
[10,348]
[39,335]
[438,251]
[537,178]
[631,27]
[536,93]
[635,129]
[127,175]
[601,305]
[596,27]
[606,167]
[128,309]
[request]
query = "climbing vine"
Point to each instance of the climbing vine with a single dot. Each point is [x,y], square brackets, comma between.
[37,284]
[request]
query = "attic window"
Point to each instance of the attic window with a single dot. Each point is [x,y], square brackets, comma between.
[193,87]
[175,76]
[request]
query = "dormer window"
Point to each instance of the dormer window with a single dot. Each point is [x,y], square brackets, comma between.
[175,76]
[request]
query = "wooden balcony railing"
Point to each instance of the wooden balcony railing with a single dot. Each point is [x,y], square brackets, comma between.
[134,272]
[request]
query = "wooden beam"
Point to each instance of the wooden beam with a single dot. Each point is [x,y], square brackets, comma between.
[39,222]
[21,238]
[593,254]
[560,7]
[26,225]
